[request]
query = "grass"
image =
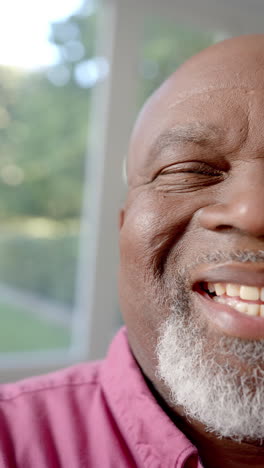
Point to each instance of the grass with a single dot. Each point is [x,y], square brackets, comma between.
[22,331]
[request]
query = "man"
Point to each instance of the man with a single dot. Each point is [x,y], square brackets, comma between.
[184,385]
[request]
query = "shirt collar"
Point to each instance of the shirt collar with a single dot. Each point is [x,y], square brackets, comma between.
[152,437]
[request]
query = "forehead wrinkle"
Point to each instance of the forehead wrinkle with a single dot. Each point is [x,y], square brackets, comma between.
[210,89]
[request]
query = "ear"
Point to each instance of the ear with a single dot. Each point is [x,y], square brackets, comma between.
[121,218]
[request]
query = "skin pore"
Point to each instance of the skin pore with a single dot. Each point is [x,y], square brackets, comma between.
[196,203]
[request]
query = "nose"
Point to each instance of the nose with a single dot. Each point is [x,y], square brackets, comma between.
[242,208]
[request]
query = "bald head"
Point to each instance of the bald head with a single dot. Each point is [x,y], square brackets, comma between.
[236,63]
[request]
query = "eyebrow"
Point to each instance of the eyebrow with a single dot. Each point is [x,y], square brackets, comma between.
[194,133]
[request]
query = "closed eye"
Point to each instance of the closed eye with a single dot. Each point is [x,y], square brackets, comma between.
[192,168]
[187,177]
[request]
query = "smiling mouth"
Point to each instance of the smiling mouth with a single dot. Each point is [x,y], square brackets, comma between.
[230,296]
[248,300]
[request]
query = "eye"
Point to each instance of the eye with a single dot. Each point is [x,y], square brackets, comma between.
[199,168]
[187,176]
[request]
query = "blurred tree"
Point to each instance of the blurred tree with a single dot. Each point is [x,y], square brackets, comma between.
[44,115]
[44,122]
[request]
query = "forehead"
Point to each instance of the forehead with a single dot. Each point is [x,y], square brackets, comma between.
[216,118]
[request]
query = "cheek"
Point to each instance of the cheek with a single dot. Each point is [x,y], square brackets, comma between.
[152,226]
[142,235]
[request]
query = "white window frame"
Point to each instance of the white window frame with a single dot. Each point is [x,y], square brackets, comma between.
[120,28]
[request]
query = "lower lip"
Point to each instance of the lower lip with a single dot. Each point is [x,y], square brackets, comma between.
[229,321]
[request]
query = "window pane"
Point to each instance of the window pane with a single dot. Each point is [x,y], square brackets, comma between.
[167,45]
[46,81]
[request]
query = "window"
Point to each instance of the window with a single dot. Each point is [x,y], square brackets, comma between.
[46,77]
[59,201]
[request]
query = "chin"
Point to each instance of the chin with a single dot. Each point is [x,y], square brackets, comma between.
[216,379]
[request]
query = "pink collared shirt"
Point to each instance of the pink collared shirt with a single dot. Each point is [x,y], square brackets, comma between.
[95,415]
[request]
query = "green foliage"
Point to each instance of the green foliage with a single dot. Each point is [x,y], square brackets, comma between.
[44,131]
[45,139]
[44,127]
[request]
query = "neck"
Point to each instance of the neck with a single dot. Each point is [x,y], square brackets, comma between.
[213,451]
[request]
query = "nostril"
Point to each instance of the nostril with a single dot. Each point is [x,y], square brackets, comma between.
[224,227]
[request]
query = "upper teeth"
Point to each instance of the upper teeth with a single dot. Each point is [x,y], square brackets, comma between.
[249,293]
[230,294]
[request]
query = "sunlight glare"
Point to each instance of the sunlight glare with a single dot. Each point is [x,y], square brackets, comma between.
[24,31]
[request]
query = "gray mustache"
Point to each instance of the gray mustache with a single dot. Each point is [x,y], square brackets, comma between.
[237,256]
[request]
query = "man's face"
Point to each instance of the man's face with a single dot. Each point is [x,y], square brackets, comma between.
[194,219]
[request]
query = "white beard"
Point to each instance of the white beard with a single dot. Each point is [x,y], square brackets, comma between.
[229,401]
